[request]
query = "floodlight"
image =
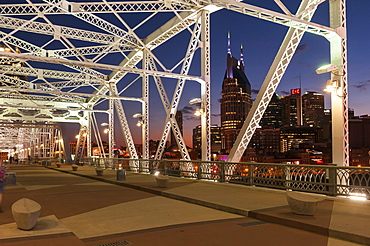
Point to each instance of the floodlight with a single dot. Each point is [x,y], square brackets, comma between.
[197,112]
[137,115]
[331,86]
[195,101]
[326,68]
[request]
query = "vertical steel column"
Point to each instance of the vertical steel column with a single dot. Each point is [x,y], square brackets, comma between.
[339,98]
[88,136]
[205,87]
[145,109]
[111,124]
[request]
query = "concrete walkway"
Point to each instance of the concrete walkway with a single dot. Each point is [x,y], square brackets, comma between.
[81,208]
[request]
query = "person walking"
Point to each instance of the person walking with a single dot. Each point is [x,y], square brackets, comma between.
[3,170]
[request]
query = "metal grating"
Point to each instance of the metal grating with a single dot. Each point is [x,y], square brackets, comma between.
[119,243]
[252,223]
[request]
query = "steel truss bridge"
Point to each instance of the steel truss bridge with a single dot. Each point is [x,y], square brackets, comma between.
[65,61]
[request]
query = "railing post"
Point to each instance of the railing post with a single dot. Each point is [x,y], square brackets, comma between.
[199,174]
[287,177]
[250,174]
[165,168]
[332,181]
[222,172]
[140,166]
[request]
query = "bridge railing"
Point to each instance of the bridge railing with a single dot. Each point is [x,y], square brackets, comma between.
[322,179]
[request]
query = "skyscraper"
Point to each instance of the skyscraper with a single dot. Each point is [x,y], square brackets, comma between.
[236,99]
[292,108]
[215,138]
[179,121]
[272,116]
[313,109]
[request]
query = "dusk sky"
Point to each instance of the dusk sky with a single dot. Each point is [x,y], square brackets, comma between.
[260,39]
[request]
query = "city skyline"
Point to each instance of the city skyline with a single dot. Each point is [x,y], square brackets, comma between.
[313,51]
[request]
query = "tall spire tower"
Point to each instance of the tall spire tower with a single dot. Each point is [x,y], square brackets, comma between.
[236,98]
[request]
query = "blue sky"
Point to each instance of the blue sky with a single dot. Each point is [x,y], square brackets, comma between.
[261,40]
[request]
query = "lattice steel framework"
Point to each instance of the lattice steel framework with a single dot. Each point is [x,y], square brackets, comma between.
[77,56]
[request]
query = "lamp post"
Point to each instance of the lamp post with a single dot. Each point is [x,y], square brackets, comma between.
[338,114]
[107,131]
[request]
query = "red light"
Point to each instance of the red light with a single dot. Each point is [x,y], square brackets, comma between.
[320,162]
[295,91]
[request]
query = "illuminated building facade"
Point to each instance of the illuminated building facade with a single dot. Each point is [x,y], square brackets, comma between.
[235,101]
[313,109]
[266,140]
[292,108]
[215,138]
[292,137]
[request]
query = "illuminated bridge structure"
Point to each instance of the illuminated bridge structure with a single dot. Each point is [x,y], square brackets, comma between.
[69,62]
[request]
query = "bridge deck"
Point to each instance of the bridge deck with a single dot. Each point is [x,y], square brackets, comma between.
[96,210]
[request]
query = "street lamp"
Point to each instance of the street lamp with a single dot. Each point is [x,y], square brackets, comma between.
[331,86]
[327,68]
[139,116]
[198,112]
[195,101]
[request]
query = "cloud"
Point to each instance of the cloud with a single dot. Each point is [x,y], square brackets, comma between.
[301,48]
[284,93]
[188,110]
[215,115]
[362,85]
[254,91]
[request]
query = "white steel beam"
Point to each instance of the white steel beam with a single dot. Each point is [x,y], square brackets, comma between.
[124,126]
[339,98]
[95,7]
[206,86]
[99,66]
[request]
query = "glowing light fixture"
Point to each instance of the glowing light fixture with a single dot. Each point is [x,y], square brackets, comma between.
[137,115]
[197,112]
[327,68]
[195,101]
[331,86]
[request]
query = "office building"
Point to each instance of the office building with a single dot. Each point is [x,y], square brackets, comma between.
[272,116]
[292,108]
[235,101]
[313,109]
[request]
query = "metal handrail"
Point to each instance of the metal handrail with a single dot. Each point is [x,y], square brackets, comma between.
[322,179]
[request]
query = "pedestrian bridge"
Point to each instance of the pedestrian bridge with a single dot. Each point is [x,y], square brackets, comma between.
[92,63]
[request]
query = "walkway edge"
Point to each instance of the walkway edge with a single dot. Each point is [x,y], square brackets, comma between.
[252,214]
